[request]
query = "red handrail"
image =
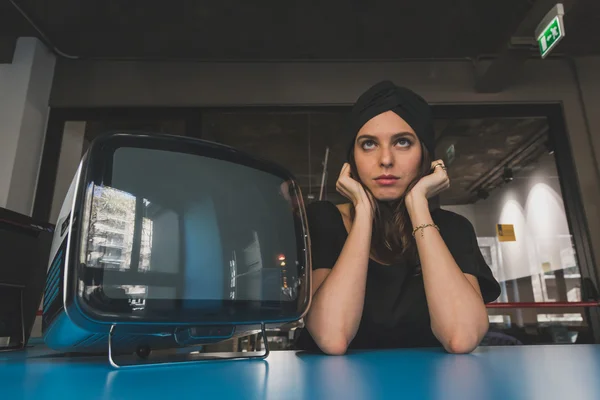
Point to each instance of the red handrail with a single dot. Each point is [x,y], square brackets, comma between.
[547,304]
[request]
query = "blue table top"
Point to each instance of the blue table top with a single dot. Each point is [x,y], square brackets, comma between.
[520,372]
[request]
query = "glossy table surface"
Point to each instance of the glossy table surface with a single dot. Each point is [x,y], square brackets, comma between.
[520,372]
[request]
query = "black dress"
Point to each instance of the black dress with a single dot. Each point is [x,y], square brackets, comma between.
[395,312]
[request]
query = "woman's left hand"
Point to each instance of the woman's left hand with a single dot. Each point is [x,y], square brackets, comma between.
[433,184]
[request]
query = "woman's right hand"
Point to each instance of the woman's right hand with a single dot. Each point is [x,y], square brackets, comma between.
[352,190]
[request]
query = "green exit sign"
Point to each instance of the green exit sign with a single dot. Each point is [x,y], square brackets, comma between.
[551,30]
[550,37]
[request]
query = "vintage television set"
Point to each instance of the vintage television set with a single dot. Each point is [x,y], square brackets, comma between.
[166,241]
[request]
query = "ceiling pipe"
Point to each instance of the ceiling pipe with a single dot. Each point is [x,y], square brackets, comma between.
[43,37]
[498,180]
[510,161]
[521,160]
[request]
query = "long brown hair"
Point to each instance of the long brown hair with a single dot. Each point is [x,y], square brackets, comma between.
[392,238]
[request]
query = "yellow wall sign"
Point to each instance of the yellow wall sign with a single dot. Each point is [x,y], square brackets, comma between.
[506,233]
[546,267]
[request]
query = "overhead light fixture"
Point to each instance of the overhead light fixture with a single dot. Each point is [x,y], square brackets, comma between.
[549,147]
[507,175]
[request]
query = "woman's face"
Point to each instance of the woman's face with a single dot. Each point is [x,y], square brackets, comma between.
[388,155]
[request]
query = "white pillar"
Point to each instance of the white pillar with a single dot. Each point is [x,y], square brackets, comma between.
[70,156]
[24,93]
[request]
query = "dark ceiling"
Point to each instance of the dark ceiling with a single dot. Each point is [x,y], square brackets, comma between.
[275,30]
[298,139]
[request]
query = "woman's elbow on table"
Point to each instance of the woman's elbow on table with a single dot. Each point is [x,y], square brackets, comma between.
[461,344]
[334,346]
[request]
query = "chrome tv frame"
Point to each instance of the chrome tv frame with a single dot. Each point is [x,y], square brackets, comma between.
[165,242]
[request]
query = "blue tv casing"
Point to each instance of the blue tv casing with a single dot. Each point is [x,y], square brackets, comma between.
[69,325]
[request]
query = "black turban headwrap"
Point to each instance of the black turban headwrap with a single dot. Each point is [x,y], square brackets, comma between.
[386,96]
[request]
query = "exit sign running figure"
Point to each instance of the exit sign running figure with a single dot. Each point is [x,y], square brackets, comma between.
[551,30]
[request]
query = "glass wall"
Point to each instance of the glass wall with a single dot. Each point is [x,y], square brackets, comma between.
[505,181]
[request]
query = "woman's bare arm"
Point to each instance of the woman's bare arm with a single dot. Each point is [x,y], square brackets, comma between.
[338,294]
[458,314]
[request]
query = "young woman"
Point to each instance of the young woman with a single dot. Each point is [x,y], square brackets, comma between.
[390,270]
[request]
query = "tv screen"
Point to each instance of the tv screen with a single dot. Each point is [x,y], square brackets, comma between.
[175,232]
